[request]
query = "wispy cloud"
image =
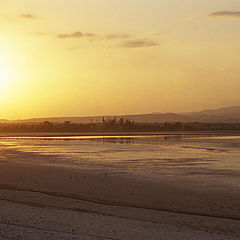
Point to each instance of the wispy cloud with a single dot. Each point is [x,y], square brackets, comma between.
[225,14]
[77,34]
[92,36]
[116,36]
[28,16]
[124,40]
[138,43]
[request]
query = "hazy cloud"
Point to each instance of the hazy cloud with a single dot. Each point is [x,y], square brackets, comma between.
[28,16]
[117,36]
[71,35]
[126,40]
[138,43]
[225,14]
[93,36]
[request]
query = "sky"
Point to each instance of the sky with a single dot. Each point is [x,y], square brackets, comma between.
[115,57]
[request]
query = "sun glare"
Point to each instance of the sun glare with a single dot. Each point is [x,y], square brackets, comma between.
[4,77]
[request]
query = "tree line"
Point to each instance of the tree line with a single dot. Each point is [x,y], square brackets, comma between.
[113,124]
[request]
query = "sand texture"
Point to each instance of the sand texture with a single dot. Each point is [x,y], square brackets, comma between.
[43,202]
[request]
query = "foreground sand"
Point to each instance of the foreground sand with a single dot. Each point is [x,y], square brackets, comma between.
[47,202]
[39,217]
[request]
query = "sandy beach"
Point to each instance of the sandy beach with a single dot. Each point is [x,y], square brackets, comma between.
[143,187]
[49,202]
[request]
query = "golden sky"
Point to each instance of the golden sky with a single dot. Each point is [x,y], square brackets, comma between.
[80,58]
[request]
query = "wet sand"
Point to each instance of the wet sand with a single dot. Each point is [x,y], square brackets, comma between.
[49,202]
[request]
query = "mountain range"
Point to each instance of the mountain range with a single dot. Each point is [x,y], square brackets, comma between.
[226,115]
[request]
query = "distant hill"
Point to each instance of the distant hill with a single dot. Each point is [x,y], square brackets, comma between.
[228,114]
[4,120]
[160,117]
[140,118]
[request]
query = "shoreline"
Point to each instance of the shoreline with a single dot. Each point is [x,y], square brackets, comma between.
[43,197]
[120,189]
[120,134]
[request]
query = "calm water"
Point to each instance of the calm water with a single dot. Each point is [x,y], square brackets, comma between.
[195,158]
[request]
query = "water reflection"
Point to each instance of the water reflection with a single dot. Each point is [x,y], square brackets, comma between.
[165,155]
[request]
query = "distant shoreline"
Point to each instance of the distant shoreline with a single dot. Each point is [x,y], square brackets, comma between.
[119,133]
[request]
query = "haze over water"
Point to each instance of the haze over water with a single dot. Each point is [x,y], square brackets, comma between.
[207,161]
